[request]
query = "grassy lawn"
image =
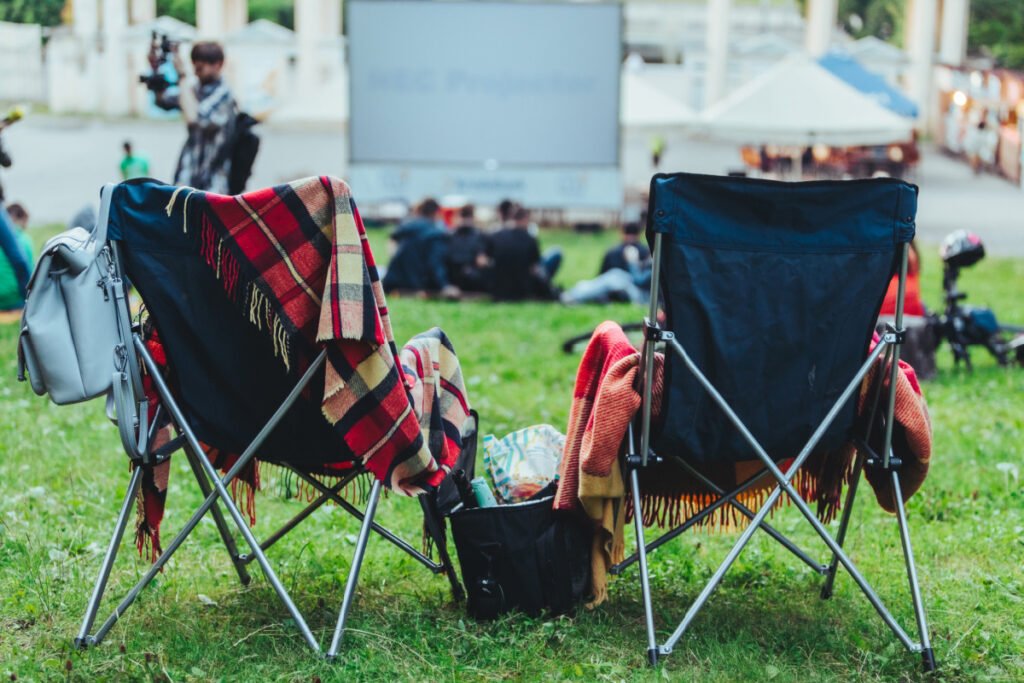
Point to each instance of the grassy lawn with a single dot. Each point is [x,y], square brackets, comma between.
[62,476]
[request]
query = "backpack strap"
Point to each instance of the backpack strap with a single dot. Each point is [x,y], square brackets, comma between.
[127,404]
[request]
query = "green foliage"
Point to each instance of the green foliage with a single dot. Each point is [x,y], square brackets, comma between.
[880,18]
[45,12]
[183,10]
[279,11]
[997,28]
[62,476]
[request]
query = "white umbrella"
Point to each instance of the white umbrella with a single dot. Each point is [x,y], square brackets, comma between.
[800,103]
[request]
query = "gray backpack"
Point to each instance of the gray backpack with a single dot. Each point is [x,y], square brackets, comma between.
[76,337]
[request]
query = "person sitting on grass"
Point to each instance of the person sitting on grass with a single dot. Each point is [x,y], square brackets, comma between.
[519,271]
[420,254]
[506,207]
[629,251]
[468,263]
[12,293]
[625,274]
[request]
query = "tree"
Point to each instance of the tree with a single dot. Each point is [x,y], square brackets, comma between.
[45,12]
[997,30]
[182,10]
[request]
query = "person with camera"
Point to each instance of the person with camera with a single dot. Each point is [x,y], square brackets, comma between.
[210,114]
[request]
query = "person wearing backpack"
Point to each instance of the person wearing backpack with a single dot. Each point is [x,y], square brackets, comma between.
[210,114]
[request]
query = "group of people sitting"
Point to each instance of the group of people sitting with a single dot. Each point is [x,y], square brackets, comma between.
[505,263]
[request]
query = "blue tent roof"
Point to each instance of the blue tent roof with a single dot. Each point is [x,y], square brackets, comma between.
[853,72]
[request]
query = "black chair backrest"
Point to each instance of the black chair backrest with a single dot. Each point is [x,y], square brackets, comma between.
[224,371]
[773,289]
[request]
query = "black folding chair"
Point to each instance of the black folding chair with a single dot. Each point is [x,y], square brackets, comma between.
[189,407]
[771,292]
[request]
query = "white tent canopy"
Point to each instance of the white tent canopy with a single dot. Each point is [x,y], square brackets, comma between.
[643,104]
[798,102]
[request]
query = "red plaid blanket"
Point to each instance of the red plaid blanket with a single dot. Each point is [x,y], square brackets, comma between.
[296,260]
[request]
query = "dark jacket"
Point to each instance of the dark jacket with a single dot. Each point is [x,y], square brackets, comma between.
[419,262]
[467,244]
[615,257]
[516,255]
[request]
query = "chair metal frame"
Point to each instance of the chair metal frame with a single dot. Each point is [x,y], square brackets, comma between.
[640,455]
[214,489]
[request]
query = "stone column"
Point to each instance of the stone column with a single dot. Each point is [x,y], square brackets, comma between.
[143,11]
[211,19]
[333,17]
[85,17]
[955,16]
[921,26]
[236,15]
[118,77]
[717,50]
[309,31]
[821,22]
[72,64]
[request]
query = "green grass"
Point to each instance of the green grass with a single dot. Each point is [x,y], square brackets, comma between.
[62,475]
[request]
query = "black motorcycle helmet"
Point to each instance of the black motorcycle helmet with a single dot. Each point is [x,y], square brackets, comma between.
[961,249]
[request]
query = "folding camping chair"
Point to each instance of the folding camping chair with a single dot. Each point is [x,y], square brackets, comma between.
[293,415]
[771,291]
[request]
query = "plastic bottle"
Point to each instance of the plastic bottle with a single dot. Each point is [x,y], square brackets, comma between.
[484,496]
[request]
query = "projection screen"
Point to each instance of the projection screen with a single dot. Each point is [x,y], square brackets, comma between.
[485,99]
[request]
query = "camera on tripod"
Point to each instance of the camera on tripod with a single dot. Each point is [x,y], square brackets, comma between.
[161,56]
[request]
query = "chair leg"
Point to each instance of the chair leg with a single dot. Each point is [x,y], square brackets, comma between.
[218,518]
[927,654]
[83,639]
[221,491]
[287,527]
[645,584]
[353,573]
[844,523]
[384,533]
[723,500]
[435,527]
[716,578]
[749,514]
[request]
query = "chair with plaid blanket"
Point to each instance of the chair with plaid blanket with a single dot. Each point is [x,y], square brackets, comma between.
[268,337]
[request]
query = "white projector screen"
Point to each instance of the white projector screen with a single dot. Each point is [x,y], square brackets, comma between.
[491,91]
[469,82]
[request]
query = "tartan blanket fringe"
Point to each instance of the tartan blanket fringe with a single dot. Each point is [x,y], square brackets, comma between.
[290,486]
[149,507]
[671,510]
[244,291]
